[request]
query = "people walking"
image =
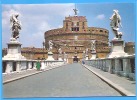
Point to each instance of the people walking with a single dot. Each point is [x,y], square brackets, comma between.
[83,62]
[38,65]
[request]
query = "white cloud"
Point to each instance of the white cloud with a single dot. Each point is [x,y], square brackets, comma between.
[101,16]
[6,17]
[35,19]
[60,26]
[44,26]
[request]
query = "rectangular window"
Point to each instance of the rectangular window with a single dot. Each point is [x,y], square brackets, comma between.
[83,24]
[66,24]
[101,30]
[75,28]
[66,27]
[72,29]
[72,24]
[77,23]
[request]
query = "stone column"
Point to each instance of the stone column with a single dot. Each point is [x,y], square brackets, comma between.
[94,63]
[9,67]
[34,65]
[126,67]
[97,64]
[18,64]
[109,65]
[45,63]
[101,67]
[117,67]
[29,65]
[89,62]
[23,65]
[49,64]
[104,64]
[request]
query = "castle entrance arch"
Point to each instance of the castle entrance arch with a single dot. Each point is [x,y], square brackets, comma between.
[75,59]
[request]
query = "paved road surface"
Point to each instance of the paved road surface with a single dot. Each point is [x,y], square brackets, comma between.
[72,80]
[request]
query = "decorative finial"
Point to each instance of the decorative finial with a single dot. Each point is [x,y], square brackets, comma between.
[75,10]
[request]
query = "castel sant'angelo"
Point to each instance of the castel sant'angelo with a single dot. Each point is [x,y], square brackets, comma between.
[75,37]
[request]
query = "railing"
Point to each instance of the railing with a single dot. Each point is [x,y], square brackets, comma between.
[123,66]
[10,66]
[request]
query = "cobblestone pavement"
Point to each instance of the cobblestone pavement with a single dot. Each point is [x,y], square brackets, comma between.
[72,80]
[123,82]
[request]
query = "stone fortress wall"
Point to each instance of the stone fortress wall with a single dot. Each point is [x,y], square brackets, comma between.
[100,35]
[76,34]
[130,47]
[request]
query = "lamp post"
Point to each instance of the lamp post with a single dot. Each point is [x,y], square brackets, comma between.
[43,49]
[29,53]
[33,52]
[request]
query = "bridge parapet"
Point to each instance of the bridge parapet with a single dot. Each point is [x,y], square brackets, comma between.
[123,66]
[11,66]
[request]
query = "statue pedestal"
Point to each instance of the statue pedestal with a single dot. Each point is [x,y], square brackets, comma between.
[86,57]
[117,49]
[60,59]
[14,51]
[93,55]
[50,56]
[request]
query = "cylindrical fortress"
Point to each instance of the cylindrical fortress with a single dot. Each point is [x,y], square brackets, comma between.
[130,47]
[75,36]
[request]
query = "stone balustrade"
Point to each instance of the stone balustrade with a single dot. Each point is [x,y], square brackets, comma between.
[123,66]
[10,66]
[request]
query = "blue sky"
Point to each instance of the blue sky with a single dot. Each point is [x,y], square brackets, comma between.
[38,18]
